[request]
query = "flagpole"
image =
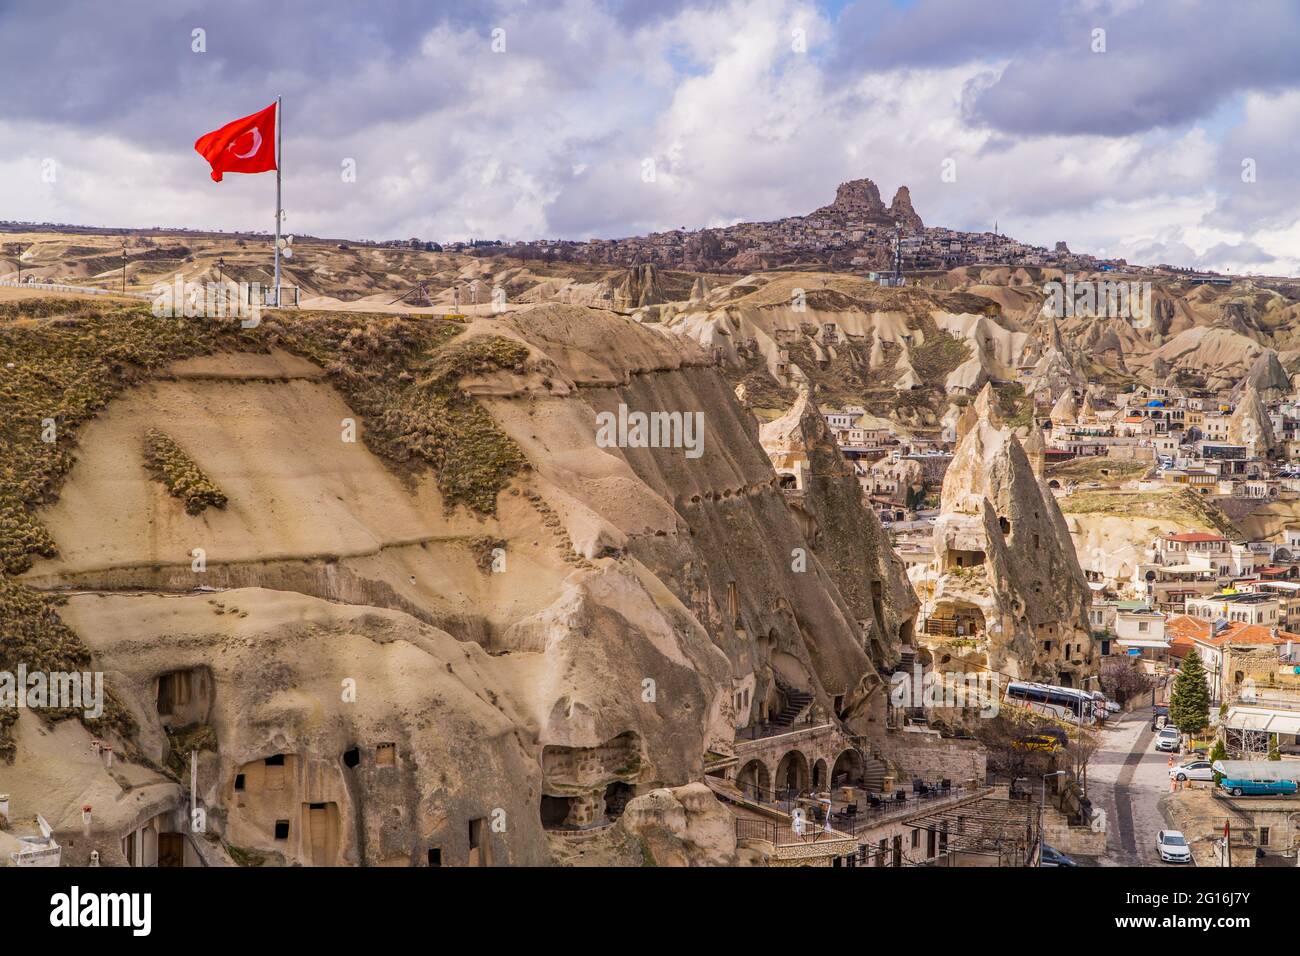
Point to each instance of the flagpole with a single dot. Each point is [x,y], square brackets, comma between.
[277,200]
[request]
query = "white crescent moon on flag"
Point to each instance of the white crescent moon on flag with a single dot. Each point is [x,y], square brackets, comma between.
[257,144]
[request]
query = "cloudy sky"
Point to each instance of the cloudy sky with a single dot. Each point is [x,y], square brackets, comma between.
[1159,131]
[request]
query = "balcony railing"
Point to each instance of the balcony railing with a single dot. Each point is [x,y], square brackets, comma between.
[950,627]
[865,812]
[779,833]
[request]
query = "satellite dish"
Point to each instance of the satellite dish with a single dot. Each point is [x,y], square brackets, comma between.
[288,252]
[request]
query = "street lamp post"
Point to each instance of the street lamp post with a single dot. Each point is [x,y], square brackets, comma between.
[1041,802]
[1084,687]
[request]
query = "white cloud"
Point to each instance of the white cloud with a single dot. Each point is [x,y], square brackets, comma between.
[549,138]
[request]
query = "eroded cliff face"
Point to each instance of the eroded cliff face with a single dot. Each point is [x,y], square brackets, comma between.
[394,678]
[1007,581]
[781,591]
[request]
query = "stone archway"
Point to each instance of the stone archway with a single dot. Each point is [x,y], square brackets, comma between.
[819,779]
[754,780]
[847,770]
[792,773]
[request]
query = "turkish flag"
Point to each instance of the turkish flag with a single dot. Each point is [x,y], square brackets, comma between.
[245,145]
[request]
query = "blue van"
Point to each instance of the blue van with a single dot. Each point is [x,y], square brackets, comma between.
[1257,778]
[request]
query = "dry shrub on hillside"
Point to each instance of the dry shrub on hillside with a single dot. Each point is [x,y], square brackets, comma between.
[171,465]
[401,376]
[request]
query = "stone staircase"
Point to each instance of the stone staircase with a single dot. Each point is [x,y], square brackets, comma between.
[873,774]
[797,703]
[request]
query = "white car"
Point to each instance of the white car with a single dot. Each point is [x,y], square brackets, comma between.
[1173,847]
[1193,770]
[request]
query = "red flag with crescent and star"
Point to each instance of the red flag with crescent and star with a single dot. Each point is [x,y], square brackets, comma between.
[244,145]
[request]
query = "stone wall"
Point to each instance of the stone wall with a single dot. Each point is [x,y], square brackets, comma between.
[933,758]
[1130,452]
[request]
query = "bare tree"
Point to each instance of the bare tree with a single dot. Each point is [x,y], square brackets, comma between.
[1122,682]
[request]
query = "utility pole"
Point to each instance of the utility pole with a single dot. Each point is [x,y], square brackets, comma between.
[123,266]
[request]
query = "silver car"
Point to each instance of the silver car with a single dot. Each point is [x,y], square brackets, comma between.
[1168,739]
[1193,770]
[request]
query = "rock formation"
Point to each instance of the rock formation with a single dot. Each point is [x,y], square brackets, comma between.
[639,288]
[1007,576]
[901,211]
[1066,409]
[1267,376]
[858,199]
[1250,425]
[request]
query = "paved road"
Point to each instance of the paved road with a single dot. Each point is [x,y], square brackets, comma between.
[1128,779]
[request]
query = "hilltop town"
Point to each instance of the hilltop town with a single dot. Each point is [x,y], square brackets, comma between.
[855,232]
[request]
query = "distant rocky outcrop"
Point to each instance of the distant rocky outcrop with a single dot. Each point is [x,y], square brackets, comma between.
[858,199]
[639,288]
[901,211]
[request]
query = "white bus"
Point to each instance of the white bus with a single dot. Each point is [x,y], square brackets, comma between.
[1063,703]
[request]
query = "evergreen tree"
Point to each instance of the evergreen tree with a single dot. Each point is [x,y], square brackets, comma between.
[1189,705]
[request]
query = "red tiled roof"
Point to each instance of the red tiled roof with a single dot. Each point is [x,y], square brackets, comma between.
[1189,536]
[1188,629]
[1134,419]
[1183,627]
[1239,633]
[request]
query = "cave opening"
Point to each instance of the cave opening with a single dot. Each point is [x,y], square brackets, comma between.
[617,795]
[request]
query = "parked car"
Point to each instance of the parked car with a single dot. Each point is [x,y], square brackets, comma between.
[1240,787]
[1101,707]
[1168,739]
[1049,740]
[1159,716]
[1193,770]
[1051,857]
[1172,846]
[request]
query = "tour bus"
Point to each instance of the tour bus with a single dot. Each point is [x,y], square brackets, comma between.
[1063,703]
